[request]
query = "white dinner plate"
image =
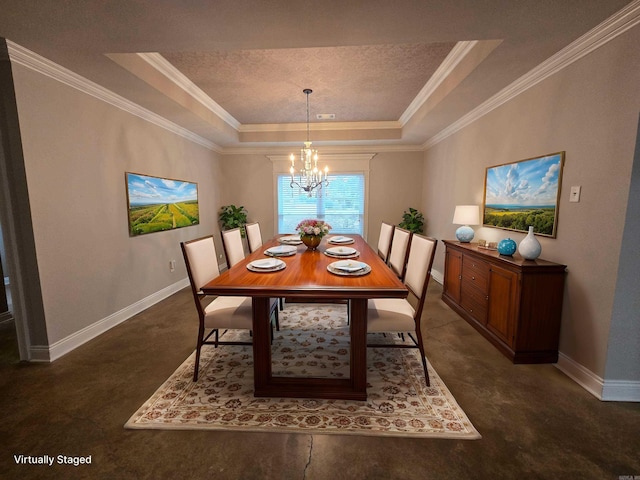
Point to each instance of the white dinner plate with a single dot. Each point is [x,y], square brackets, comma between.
[291,240]
[266,265]
[349,267]
[341,240]
[281,250]
[341,251]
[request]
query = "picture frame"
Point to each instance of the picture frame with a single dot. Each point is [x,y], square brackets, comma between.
[524,193]
[158,204]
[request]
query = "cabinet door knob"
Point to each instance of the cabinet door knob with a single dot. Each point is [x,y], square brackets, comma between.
[473,278]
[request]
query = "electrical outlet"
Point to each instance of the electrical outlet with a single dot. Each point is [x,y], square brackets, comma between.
[574,196]
[172,265]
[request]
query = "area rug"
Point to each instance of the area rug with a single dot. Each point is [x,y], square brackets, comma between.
[313,341]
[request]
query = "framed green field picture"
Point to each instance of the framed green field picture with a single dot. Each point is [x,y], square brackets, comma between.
[524,193]
[157,204]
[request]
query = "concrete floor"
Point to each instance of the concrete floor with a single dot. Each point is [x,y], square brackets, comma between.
[535,422]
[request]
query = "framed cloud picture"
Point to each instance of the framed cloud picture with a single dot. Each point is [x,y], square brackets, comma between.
[156,204]
[524,193]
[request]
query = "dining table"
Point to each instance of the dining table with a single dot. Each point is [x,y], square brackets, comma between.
[310,275]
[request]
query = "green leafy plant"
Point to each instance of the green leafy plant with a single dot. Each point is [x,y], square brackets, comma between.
[232,217]
[412,221]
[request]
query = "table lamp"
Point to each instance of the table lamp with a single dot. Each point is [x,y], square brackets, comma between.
[466,215]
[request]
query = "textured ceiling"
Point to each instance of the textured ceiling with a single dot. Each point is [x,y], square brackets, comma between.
[360,83]
[232,71]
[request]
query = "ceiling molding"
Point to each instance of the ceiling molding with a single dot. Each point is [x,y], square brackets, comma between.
[163,66]
[317,127]
[325,150]
[456,55]
[600,35]
[31,60]
[327,157]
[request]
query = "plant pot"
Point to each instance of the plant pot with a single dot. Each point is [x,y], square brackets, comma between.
[311,241]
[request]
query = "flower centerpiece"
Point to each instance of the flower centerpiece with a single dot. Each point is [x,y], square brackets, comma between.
[311,232]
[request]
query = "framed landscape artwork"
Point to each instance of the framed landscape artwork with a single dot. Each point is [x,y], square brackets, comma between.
[524,193]
[156,204]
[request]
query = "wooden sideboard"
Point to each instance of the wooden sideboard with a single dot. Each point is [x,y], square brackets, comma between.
[515,303]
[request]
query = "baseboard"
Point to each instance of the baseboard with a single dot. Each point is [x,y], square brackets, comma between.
[621,391]
[437,276]
[73,341]
[605,390]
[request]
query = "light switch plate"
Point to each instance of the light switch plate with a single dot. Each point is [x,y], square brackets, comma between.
[575,194]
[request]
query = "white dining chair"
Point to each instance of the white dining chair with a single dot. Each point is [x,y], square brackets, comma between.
[384,240]
[254,237]
[222,313]
[233,246]
[397,315]
[234,251]
[399,251]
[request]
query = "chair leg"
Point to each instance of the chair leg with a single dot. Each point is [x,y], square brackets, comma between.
[424,361]
[198,348]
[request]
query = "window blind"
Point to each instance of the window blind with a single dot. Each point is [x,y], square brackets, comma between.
[341,205]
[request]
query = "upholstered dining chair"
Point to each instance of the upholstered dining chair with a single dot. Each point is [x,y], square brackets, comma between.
[234,251]
[384,240]
[399,252]
[233,246]
[398,315]
[223,312]
[254,237]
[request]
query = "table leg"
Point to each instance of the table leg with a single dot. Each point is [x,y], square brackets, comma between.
[358,333]
[261,343]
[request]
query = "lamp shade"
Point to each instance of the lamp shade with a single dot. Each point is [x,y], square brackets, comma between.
[467,215]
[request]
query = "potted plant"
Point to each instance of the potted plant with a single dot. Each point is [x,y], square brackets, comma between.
[311,232]
[232,217]
[412,221]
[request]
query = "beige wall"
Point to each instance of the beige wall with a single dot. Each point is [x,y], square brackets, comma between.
[590,110]
[76,151]
[395,184]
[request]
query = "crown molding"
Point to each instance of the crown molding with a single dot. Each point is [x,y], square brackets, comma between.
[600,35]
[31,60]
[317,127]
[457,53]
[336,150]
[163,66]
[331,156]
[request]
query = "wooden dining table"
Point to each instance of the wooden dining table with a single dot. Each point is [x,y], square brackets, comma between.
[306,278]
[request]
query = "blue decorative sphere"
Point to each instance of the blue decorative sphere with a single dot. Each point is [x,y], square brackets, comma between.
[507,247]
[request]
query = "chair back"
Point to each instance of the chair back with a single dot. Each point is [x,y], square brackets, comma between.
[254,236]
[421,255]
[233,246]
[202,265]
[384,241]
[399,251]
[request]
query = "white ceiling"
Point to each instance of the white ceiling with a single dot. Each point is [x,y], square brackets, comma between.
[232,72]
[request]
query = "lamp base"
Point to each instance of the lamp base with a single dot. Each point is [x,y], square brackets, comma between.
[465,234]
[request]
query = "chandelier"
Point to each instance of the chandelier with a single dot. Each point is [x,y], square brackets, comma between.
[309,176]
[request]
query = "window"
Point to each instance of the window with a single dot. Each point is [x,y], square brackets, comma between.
[341,205]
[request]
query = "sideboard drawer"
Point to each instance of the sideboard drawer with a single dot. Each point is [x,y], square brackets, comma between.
[475,272]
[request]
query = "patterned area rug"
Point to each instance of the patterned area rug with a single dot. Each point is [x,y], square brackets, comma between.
[313,341]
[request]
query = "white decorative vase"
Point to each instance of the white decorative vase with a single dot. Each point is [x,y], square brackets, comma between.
[530,247]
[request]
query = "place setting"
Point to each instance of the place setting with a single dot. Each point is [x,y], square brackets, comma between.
[349,268]
[342,252]
[341,240]
[266,265]
[281,251]
[290,240]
